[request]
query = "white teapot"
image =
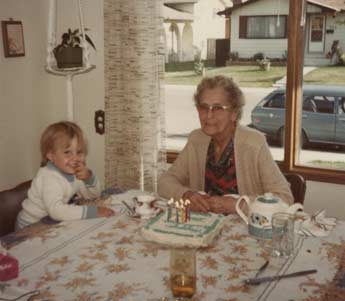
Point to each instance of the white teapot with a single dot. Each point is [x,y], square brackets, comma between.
[260,213]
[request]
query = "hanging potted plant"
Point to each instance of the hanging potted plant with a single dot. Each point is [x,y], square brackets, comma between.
[69,53]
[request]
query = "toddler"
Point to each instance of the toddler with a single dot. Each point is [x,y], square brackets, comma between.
[63,176]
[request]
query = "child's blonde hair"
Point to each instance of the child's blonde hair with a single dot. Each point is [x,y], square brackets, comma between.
[60,133]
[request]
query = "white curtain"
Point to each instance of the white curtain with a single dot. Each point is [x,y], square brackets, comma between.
[134,100]
[266,27]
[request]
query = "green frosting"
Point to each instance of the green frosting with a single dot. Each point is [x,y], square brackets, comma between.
[197,227]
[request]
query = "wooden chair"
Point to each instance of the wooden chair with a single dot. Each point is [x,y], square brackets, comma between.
[10,205]
[298,186]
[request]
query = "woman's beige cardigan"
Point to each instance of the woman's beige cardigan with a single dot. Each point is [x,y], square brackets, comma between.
[256,171]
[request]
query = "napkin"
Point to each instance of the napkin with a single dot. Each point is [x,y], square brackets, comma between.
[9,267]
[316,225]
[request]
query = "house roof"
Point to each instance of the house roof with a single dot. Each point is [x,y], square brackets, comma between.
[334,5]
[170,14]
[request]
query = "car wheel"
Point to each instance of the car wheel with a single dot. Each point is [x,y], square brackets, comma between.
[281,137]
[304,141]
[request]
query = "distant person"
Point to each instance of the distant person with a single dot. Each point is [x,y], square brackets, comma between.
[63,176]
[223,158]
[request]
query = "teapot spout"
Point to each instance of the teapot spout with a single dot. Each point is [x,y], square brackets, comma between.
[294,208]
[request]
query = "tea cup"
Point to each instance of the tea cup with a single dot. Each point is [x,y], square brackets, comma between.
[144,205]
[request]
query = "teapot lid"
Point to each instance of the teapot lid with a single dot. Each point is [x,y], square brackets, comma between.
[268,198]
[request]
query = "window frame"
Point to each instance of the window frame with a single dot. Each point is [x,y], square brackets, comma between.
[293,110]
[243,27]
[293,99]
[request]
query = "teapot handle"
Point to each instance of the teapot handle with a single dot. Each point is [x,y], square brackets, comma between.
[293,208]
[238,209]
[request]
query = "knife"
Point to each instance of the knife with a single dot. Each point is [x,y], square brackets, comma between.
[256,281]
[262,268]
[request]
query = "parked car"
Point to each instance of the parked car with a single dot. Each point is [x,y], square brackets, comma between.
[323,115]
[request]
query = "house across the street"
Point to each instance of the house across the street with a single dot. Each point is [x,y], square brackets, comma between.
[192,28]
[261,26]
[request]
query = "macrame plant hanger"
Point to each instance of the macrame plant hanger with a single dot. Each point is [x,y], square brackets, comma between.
[51,65]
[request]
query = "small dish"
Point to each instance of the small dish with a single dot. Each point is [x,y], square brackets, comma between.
[143,210]
[152,214]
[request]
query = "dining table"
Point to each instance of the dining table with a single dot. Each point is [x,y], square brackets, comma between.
[108,259]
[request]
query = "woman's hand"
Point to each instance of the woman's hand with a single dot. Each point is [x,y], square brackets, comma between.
[104,212]
[198,201]
[222,204]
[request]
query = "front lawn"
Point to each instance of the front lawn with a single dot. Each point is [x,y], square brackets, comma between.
[252,76]
[246,76]
[328,164]
[326,75]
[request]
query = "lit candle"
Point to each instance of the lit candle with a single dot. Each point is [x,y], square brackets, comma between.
[188,209]
[177,206]
[170,204]
[169,214]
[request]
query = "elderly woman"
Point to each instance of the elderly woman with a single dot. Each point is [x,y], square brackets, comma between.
[223,158]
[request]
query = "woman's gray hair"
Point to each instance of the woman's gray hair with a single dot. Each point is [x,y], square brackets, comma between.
[235,97]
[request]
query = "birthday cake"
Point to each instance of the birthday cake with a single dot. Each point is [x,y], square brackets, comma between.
[199,231]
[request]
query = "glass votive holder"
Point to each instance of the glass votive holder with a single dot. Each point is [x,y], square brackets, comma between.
[183,272]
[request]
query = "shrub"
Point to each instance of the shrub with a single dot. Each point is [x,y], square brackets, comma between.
[258,56]
[233,56]
[199,68]
[285,55]
[341,56]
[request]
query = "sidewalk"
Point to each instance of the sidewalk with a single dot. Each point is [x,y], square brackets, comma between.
[282,82]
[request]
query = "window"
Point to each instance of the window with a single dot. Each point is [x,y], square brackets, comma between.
[319,104]
[320,112]
[263,27]
[341,109]
[325,118]
[277,101]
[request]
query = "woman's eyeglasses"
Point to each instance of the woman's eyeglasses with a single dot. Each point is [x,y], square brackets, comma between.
[204,108]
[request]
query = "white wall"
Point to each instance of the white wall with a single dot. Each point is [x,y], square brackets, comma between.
[30,98]
[246,48]
[207,24]
[338,24]
[325,195]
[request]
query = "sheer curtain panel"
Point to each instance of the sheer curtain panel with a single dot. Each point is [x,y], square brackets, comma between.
[134,100]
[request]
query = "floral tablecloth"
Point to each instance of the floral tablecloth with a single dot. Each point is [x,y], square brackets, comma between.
[107,259]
